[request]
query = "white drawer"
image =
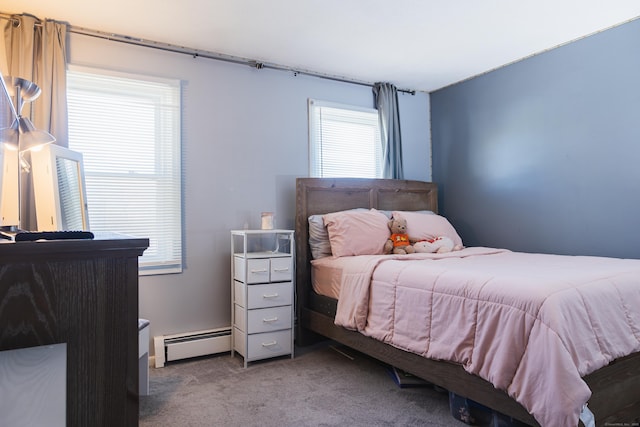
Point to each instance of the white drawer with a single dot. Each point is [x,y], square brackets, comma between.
[239,291]
[238,317]
[238,341]
[269,319]
[269,344]
[258,270]
[281,269]
[269,295]
[238,268]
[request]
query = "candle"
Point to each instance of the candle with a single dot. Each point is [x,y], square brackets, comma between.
[267,220]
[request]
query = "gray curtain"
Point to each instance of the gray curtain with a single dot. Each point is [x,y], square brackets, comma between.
[385,97]
[35,50]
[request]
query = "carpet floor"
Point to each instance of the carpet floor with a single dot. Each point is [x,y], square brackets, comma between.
[319,387]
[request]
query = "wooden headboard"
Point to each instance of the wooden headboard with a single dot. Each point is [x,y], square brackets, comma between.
[323,195]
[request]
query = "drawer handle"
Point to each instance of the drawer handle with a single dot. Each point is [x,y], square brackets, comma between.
[269,344]
[259,271]
[281,270]
[273,319]
[270,296]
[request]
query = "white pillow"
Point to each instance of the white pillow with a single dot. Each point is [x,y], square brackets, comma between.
[421,226]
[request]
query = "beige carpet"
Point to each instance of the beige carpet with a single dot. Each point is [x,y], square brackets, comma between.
[319,387]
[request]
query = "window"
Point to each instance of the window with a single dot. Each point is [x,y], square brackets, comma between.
[344,141]
[128,130]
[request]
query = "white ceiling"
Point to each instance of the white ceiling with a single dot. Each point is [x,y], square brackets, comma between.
[414,44]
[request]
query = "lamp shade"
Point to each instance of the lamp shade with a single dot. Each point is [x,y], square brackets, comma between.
[21,91]
[21,134]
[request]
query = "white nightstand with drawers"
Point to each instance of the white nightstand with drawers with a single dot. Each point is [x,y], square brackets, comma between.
[262,293]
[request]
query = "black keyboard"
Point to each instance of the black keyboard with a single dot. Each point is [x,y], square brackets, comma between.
[30,236]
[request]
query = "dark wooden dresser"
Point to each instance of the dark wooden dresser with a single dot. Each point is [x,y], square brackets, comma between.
[83,293]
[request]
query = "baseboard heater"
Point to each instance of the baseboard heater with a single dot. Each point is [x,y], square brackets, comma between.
[191,344]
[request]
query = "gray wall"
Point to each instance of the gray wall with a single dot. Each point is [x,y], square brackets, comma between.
[543,155]
[244,143]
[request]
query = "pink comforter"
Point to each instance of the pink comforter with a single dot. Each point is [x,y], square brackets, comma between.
[531,324]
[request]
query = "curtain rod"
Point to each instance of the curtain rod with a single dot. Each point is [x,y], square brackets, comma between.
[197,53]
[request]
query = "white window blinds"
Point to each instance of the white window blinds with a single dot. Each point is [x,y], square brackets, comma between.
[344,141]
[128,130]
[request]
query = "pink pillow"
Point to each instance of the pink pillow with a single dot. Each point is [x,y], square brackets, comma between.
[357,232]
[423,226]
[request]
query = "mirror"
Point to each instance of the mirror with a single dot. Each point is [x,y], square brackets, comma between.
[70,194]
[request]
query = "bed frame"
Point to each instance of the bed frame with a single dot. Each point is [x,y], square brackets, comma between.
[615,388]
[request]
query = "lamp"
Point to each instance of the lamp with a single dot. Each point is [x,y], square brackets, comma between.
[20,135]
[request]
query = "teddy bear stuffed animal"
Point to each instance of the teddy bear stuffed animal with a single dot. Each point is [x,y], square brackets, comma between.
[436,245]
[398,242]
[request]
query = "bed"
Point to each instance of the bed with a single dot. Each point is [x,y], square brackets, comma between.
[614,391]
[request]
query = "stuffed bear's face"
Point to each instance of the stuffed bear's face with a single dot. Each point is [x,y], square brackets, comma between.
[398,226]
